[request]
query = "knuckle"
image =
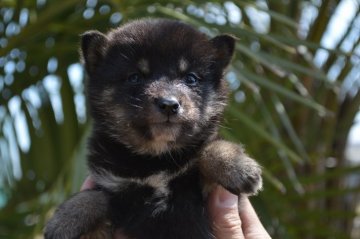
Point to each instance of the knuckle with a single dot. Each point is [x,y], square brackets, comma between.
[229,222]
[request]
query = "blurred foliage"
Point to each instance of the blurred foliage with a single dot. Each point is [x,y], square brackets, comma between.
[295,94]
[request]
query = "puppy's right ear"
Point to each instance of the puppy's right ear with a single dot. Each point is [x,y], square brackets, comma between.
[225,46]
[93,49]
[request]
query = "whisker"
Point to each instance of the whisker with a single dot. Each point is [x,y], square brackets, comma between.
[169,152]
[137,106]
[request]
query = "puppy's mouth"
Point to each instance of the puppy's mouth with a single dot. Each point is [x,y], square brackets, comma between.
[165,120]
[166,123]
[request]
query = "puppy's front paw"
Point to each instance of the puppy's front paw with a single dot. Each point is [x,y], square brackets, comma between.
[60,227]
[85,213]
[227,164]
[242,175]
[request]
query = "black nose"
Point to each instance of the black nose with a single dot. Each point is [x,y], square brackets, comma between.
[168,105]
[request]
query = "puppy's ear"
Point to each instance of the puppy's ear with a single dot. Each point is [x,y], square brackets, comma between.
[93,49]
[225,45]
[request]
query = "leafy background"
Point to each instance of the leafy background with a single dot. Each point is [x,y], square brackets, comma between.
[295,95]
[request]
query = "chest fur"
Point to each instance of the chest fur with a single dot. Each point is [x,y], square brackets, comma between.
[162,183]
[158,201]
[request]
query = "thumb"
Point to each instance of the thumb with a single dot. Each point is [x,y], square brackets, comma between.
[251,224]
[224,213]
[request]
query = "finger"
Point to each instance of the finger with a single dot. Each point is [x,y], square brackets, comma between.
[223,210]
[251,224]
[87,184]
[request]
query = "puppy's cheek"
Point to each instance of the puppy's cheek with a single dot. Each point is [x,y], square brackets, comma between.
[119,115]
[214,106]
[193,113]
[190,109]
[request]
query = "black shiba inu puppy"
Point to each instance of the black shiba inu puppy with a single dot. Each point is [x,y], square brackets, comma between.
[156,94]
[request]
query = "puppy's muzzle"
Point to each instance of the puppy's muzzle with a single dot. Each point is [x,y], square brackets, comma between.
[168,105]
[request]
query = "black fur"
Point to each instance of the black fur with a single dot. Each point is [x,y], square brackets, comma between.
[152,162]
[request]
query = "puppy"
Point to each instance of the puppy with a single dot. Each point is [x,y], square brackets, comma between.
[157,94]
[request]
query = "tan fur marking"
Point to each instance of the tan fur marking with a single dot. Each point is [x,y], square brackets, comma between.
[115,183]
[165,133]
[183,65]
[144,67]
[157,181]
[108,93]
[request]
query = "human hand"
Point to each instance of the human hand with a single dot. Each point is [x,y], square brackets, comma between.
[227,222]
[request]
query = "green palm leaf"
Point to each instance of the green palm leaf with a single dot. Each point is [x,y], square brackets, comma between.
[292,113]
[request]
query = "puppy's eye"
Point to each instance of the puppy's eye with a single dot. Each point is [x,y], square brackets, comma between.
[134,79]
[191,79]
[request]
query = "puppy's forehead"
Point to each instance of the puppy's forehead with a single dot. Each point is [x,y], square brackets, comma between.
[154,46]
[181,65]
[160,37]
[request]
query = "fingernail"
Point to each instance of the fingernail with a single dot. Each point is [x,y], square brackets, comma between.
[226,199]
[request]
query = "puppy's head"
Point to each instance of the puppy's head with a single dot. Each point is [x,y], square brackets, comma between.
[156,85]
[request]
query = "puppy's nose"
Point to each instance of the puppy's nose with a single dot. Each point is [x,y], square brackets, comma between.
[168,105]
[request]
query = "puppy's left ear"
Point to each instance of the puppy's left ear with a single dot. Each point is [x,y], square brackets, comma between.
[93,49]
[225,45]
